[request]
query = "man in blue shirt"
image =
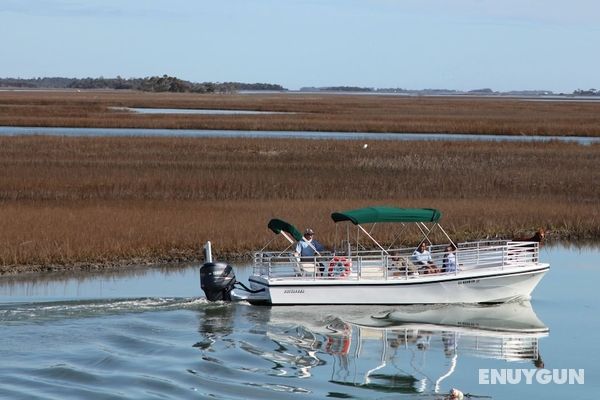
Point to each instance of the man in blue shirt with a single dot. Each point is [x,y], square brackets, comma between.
[308,246]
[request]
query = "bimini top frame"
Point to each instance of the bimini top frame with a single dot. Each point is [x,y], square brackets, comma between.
[387,214]
[377,214]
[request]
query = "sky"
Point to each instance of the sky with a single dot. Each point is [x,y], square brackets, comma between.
[414,44]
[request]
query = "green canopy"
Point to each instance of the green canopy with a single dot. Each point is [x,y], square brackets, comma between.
[278,225]
[387,214]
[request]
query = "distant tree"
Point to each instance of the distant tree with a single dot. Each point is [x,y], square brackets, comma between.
[346,89]
[163,83]
[482,91]
[589,92]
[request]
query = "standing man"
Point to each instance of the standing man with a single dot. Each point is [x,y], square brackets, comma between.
[308,246]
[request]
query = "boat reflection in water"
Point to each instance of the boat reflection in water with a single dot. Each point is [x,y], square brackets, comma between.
[405,349]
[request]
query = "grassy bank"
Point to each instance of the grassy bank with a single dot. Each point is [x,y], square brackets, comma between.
[308,112]
[110,201]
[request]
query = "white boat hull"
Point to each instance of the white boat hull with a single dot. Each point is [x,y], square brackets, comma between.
[490,286]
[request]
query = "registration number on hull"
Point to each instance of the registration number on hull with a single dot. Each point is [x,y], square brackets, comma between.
[468,281]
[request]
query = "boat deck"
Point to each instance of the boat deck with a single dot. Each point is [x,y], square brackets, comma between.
[472,259]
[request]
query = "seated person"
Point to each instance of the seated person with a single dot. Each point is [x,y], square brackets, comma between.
[400,265]
[422,257]
[449,262]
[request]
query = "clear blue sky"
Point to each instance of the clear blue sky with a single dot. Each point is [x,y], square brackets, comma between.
[414,44]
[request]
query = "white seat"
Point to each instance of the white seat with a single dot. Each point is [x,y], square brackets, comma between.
[307,268]
[372,269]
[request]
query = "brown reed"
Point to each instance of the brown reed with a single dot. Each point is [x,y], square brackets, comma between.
[308,112]
[68,201]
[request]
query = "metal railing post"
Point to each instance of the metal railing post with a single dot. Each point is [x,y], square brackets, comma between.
[359,269]
[386,267]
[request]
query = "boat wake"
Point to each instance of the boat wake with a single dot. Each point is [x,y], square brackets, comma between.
[15,313]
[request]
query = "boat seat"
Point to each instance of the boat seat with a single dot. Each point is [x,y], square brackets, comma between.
[371,269]
[372,273]
[307,269]
[402,266]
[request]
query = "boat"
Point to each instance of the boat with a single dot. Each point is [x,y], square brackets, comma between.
[487,271]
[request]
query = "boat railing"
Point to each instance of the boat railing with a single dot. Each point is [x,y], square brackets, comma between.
[515,347]
[394,263]
[496,254]
[289,264]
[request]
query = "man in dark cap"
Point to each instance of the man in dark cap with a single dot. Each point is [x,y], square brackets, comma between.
[308,246]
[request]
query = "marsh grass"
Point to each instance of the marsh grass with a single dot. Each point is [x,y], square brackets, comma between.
[66,200]
[309,112]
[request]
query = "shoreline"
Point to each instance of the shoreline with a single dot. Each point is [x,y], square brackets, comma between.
[94,266]
[25,270]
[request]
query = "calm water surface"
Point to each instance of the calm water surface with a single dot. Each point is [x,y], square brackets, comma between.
[200,111]
[145,334]
[17,131]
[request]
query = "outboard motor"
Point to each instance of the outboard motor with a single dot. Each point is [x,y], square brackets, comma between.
[217,280]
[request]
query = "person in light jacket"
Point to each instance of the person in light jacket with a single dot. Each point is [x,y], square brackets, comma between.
[449,262]
[422,258]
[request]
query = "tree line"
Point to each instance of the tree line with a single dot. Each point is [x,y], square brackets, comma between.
[163,83]
[589,92]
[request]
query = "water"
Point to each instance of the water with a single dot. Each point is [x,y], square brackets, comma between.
[364,136]
[148,333]
[204,111]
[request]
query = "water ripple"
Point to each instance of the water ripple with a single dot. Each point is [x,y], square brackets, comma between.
[40,312]
[184,348]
